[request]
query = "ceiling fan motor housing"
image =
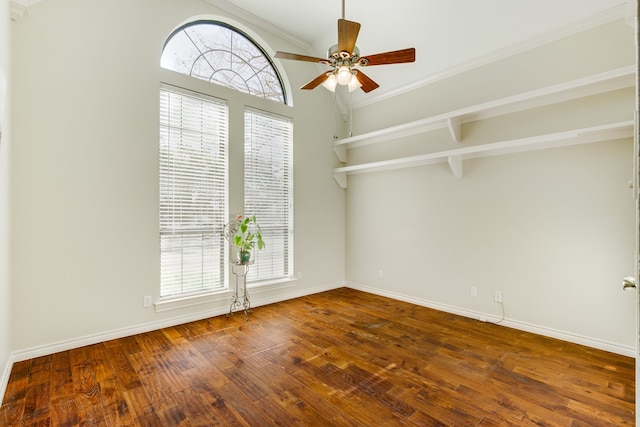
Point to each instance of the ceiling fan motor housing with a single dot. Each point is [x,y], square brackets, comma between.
[336,58]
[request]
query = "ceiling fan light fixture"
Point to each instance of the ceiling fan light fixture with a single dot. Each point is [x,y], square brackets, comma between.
[331,82]
[343,75]
[345,55]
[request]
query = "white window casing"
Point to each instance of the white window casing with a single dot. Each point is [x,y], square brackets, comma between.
[193,192]
[268,191]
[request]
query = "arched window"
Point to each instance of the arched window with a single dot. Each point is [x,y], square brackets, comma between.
[220,54]
[194,177]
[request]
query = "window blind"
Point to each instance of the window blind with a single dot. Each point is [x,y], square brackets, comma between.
[193,191]
[268,191]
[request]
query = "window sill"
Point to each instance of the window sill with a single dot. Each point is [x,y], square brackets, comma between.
[221,294]
[272,284]
[174,303]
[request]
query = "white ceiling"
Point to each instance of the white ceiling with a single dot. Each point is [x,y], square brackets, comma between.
[447,34]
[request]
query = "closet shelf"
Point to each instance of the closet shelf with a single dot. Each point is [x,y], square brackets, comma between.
[455,156]
[595,84]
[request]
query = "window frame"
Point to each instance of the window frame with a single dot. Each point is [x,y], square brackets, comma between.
[237,101]
[266,225]
[181,179]
[237,30]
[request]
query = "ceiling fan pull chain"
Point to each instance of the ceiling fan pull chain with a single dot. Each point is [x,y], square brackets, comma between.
[336,118]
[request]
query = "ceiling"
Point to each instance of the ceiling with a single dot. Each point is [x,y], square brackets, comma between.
[447,34]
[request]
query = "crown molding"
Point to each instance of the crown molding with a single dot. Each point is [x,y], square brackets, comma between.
[18,9]
[623,11]
[631,13]
[260,23]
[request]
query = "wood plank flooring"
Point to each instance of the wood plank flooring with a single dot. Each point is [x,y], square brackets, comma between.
[338,358]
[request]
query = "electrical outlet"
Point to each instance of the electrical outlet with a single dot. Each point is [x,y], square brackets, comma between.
[497,296]
[381,274]
[147,301]
[474,291]
[299,275]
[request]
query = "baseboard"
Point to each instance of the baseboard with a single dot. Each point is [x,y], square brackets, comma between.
[511,323]
[4,379]
[257,299]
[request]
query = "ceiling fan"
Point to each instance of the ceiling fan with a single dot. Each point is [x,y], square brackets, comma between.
[345,56]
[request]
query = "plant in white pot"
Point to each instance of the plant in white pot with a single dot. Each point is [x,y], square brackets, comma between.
[247,235]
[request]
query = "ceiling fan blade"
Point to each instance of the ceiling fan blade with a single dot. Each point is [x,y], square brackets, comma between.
[395,57]
[296,57]
[315,82]
[367,84]
[347,35]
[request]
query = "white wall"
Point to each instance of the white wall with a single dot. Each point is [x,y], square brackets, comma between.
[84,189]
[553,229]
[5,179]
[85,173]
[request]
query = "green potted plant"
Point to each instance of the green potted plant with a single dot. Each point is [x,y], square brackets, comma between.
[247,235]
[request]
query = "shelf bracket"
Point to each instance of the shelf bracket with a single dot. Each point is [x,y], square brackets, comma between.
[455,163]
[455,127]
[341,152]
[341,179]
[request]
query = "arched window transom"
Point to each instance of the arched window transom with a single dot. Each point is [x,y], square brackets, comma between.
[215,52]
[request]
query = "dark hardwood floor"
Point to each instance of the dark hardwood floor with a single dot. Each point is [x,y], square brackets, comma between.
[339,358]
